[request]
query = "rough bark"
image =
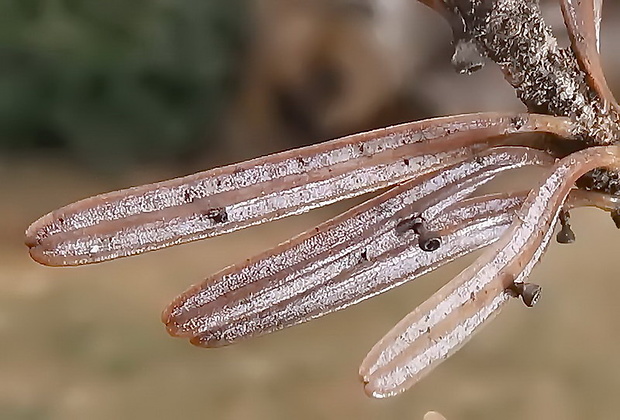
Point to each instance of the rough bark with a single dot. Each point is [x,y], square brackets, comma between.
[546,78]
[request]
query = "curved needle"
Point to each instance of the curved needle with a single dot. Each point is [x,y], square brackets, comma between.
[583,20]
[351,257]
[443,323]
[225,199]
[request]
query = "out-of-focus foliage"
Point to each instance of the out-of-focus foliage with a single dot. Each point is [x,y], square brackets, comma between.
[116,80]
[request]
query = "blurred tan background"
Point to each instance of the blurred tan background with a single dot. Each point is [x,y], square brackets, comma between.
[96,96]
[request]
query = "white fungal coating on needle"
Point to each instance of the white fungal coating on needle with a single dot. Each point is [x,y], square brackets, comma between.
[210,314]
[225,199]
[388,385]
[437,327]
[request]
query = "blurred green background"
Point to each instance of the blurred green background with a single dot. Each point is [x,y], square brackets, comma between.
[101,95]
[115,81]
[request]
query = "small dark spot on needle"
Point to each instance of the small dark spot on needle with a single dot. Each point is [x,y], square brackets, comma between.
[217,215]
[188,195]
[406,161]
[364,256]
[517,122]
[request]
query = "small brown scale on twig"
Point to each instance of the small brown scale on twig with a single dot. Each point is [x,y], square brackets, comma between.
[546,78]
